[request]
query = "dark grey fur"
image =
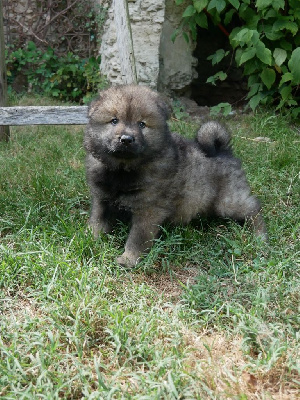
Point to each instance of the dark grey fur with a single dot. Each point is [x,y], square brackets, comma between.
[141,172]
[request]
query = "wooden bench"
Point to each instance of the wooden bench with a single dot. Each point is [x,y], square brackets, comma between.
[43,115]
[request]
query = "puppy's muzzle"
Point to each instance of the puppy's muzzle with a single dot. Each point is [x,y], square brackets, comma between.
[127,139]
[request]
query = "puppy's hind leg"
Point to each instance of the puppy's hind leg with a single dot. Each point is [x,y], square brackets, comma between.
[259,225]
[243,207]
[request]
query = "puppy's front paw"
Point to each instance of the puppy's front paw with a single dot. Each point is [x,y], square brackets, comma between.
[128,260]
[97,227]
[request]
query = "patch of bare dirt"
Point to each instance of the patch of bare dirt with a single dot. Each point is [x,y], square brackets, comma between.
[220,363]
[18,305]
[171,283]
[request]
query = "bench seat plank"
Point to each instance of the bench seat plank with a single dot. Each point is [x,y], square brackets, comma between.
[43,115]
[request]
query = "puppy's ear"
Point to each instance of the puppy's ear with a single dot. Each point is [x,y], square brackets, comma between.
[94,105]
[98,101]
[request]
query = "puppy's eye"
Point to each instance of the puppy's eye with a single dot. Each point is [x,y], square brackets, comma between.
[142,124]
[114,121]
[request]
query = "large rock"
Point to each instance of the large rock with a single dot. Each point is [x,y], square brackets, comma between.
[160,63]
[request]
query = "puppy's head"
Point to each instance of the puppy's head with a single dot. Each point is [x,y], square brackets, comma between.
[126,124]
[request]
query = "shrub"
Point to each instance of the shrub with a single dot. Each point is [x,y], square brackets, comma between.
[68,77]
[265,43]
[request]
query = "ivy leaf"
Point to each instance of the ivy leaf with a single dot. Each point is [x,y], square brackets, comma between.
[178,2]
[256,87]
[285,92]
[271,14]
[250,16]
[294,65]
[193,28]
[288,76]
[238,54]
[201,20]
[255,100]
[253,67]
[286,45]
[277,4]
[263,53]
[219,5]
[273,35]
[279,56]
[285,23]
[235,3]
[252,80]
[224,108]
[296,112]
[240,37]
[228,16]
[218,56]
[188,12]
[186,37]
[247,55]
[262,4]
[255,37]
[211,5]
[200,5]
[221,75]
[268,77]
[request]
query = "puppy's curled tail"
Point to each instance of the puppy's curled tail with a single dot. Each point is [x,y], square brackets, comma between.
[214,139]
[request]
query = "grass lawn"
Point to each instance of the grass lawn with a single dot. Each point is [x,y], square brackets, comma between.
[211,313]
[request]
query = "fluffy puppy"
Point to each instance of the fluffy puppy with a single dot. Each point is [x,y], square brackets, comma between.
[140,172]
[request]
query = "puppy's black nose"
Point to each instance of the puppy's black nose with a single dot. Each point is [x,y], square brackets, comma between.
[126,139]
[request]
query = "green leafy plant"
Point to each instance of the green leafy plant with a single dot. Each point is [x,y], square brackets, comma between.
[179,110]
[68,77]
[265,42]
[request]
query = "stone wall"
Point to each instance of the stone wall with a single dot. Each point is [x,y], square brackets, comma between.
[160,63]
[18,20]
[63,26]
